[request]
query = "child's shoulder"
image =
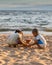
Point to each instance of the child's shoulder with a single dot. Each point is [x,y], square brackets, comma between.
[39,36]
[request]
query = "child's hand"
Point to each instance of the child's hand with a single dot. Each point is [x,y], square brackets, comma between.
[28,40]
[31,42]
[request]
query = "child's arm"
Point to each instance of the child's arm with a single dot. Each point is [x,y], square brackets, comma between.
[22,41]
[33,42]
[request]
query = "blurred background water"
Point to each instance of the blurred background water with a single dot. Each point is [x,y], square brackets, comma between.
[26,20]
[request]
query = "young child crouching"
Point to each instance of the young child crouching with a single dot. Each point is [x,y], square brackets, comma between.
[15,38]
[39,40]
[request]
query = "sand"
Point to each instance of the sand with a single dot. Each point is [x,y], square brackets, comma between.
[25,55]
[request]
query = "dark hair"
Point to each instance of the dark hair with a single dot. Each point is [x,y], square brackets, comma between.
[18,31]
[35,30]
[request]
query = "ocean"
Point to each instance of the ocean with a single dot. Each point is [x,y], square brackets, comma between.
[26,20]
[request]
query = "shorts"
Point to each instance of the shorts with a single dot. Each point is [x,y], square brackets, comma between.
[41,44]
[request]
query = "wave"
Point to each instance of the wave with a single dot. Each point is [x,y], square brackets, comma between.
[26,20]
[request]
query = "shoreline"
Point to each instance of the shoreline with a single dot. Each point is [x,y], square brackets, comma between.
[28,32]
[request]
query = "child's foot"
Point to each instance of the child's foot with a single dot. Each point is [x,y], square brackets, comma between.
[41,48]
[9,45]
[14,46]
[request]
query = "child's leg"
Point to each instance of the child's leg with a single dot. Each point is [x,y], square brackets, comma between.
[17,43]
[35,43]
[10,45]
[42,46]
[38,45]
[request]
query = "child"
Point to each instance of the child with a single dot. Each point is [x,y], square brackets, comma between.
[39,39]
[13,39]
[16,38]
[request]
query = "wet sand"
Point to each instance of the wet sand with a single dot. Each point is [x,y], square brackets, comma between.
[25,55]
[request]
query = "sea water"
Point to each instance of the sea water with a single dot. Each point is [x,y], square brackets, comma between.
[25,20]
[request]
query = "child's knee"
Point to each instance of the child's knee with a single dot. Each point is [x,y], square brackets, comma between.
[43,46]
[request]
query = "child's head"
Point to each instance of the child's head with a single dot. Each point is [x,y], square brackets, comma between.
[35,32]
[18,31]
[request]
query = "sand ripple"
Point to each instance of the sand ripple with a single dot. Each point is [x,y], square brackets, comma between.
[25,55]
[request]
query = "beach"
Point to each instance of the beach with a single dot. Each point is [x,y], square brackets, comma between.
[25,55]
[25,15]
